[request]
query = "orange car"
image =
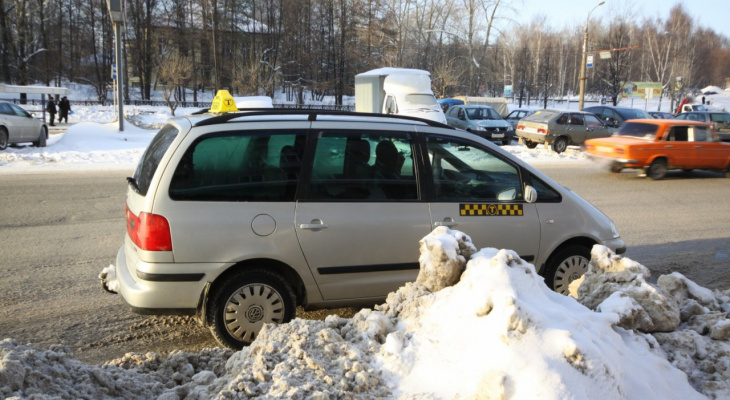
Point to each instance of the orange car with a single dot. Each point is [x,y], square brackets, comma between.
[658,145]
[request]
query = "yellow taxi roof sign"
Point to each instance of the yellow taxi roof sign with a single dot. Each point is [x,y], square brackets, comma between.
[223,103]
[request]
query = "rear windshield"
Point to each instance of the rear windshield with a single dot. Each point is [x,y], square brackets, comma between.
[151,158]
[542,115]
[638,129]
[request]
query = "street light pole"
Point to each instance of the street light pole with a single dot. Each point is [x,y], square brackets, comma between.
[582,86]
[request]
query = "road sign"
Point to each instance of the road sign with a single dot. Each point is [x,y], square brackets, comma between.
[589,60]
[114,72]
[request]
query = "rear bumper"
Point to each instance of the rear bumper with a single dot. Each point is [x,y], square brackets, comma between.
[535,137]
[151,292]
[623,162]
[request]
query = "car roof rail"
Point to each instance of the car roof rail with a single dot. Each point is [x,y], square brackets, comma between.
[312,115]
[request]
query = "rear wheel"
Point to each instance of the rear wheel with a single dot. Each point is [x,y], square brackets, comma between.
[3,139]
[560,144]
[565,266]
[658,169]
[240,307]
[530,144]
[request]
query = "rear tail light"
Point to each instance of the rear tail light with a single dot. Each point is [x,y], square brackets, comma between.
[542,130]
[619,151]
[149,232]
[520,127]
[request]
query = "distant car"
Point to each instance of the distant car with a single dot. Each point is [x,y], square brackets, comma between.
[719,120]
[658,145]
[560,128]
[482,121]
[515,116]
[448,103]
[19,126]
[661,115]
[615,116]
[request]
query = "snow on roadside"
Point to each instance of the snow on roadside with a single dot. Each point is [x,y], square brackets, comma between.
[484,319]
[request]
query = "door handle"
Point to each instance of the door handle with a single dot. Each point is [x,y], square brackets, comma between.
[669,146]
[447,222]
[315,225]
[698,147]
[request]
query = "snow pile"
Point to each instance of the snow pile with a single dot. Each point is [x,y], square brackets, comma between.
[689,322]
[475,325]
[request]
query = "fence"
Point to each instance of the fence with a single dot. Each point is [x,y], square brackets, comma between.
[185,104]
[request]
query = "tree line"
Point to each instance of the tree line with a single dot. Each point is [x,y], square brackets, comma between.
[315,47]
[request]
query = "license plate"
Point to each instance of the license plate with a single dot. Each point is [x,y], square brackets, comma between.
[604,149]
[497,135]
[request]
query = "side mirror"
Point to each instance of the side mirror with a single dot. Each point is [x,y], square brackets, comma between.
[530,194]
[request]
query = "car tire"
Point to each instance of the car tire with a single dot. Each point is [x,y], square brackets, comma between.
[42,137]
[565,266]
[658,169]
[560,144]
[3,139]
[530,144]
[239,308]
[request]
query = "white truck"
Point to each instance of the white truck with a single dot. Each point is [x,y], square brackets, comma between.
[399,91]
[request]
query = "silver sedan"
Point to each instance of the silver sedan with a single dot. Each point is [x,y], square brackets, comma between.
[18,126]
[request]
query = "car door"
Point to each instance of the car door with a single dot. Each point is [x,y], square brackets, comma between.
[707,150]
[27,122]
[362,213]
[576,128]
[595,128]
[475,190]
[12,123]
[679,149]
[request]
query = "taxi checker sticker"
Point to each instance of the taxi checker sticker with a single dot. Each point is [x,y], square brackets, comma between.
[490,210]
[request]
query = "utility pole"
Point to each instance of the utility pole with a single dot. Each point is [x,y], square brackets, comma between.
[117,10]
[582,87]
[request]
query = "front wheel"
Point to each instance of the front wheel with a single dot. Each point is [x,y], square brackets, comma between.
[506,142]
[3,139]
[559,145]
[530,144]
[240,307]
[42,137]
[565,266]
[658,169]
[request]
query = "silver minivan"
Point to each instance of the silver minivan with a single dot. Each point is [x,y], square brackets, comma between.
[238,218]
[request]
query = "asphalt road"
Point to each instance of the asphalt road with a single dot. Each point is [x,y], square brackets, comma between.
[60,230]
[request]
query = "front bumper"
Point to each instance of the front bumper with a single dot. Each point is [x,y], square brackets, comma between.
[617,245]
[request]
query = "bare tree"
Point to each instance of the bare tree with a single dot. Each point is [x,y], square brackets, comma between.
[174,71]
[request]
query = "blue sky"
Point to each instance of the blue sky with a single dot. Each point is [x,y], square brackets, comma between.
[709,13]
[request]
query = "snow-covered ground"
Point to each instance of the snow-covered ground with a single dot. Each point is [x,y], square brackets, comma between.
[494,331]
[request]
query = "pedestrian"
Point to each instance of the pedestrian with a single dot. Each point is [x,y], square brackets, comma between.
[51,108]
[64,107]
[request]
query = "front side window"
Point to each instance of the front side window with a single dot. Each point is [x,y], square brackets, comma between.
[19,111]
[240,166]
[363,166]
[464,172]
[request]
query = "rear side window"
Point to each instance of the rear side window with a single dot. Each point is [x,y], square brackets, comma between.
[151,158]
[240,166]
[376,167]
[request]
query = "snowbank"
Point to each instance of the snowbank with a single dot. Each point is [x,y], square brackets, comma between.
[476,324]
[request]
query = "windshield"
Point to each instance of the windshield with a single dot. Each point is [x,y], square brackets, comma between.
[421,100]
[482,113]
[638,129]
[634,113]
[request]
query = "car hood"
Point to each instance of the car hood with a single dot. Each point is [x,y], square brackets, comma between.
[491,123]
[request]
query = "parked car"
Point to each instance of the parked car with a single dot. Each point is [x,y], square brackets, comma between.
[19,126]
[560,129]
[719,120]
[238,218]
[482,121]
[615,116]
[661,115]
[515,116]
[448,103]
[656,146]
